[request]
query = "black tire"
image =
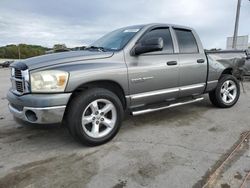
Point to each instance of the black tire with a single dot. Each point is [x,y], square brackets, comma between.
[78,106]
[216,97]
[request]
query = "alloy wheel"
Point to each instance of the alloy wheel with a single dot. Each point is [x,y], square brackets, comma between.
[228,91]
[99,118]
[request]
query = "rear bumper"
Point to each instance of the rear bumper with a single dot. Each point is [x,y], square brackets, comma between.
[38,108]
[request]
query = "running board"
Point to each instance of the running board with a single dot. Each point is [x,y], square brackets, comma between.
[139,112]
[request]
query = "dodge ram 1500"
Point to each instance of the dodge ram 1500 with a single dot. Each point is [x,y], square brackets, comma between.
[136,69]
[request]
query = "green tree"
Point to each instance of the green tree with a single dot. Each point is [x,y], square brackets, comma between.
[24,50]
[60,48]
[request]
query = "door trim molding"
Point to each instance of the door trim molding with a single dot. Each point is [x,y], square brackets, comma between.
[212,82]
[153,93]
[194,86]
[165,91]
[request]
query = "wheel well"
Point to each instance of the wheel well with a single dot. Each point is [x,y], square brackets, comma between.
[106,84]
[228,71]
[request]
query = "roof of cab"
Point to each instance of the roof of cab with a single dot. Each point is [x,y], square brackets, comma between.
[167,25]
[156,25]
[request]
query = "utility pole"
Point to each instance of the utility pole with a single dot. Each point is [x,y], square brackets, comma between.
[236,25]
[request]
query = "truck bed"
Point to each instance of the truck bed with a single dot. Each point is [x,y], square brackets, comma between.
[235,58]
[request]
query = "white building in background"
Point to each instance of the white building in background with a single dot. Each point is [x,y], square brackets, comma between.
[242,43]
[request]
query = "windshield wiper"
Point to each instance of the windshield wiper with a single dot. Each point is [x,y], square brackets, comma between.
[101,49]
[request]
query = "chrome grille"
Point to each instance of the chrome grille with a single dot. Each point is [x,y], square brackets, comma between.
[19,86]
[18,74]
[20,81]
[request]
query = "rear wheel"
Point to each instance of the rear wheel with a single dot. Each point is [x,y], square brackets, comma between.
[94,117]
[226,93]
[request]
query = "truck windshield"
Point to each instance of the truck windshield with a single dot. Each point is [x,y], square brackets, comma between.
[115,40]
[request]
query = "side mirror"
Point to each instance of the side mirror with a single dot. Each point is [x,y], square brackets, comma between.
[150,45]
[248,57]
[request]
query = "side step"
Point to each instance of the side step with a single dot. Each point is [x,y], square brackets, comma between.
[139,112]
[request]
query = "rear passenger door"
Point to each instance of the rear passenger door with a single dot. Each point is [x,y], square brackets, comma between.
[192,63]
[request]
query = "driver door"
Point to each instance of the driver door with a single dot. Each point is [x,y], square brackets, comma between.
[154,76]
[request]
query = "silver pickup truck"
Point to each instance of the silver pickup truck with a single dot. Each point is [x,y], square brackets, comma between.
[136,69]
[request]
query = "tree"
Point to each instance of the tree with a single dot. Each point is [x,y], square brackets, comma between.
[26,51]
[60,48]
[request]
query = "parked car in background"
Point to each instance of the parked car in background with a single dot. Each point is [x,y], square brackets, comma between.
[137,69]
[6,63]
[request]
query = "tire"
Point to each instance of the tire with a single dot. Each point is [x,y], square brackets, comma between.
[226,93]
[94,116]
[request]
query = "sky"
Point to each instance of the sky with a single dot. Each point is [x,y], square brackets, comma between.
[80,22]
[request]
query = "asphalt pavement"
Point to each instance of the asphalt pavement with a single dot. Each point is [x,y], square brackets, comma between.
[188,146]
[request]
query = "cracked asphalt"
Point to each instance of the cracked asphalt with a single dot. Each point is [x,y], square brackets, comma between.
[177,147]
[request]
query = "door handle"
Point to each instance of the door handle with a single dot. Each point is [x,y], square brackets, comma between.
[200,61]
[172,63]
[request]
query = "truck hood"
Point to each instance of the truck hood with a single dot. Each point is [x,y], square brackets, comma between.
[63,57]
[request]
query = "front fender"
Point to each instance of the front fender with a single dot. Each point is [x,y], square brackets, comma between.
[97,71]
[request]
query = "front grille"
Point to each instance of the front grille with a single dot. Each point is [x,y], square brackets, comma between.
[18,74]
[19,86]
[19,81]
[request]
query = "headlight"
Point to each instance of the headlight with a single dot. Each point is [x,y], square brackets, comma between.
[49,81]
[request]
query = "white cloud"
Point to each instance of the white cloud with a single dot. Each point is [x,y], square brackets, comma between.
[80,22]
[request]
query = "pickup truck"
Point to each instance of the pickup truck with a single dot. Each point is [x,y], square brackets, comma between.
[136,69]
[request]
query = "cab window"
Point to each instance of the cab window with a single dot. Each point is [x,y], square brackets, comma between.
[164,33]
[186,41]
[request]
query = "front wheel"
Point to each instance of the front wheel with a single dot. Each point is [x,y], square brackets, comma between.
[95,116]
[226,93]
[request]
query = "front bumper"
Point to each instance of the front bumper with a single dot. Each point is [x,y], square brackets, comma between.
[46,115]
[38,108]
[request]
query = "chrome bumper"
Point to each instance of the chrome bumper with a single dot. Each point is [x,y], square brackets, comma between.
[44,115]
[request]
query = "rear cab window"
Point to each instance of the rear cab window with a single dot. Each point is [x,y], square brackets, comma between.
[186,41]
